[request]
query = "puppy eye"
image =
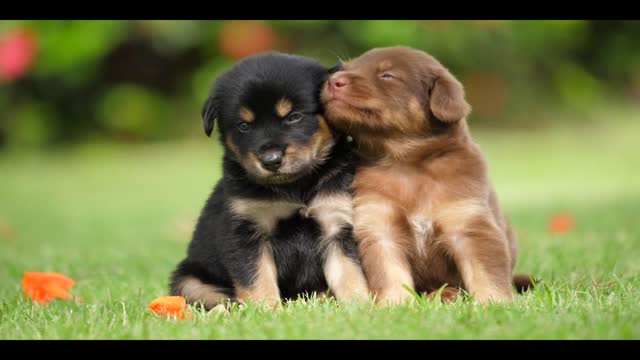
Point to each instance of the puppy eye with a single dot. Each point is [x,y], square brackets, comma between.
[293,118]
[243,126]
[387,76]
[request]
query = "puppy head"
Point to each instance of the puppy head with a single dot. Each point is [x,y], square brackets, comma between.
[268,113]
[393,90]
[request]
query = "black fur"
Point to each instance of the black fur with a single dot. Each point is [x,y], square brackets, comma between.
[224,248]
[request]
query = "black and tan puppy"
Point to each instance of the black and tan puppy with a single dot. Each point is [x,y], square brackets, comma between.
[278,223]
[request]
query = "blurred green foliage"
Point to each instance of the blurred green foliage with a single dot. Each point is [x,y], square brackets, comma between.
[147,80]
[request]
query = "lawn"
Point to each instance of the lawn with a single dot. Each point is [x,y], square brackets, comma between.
[117,218]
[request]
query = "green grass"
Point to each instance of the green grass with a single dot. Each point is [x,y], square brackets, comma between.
[117,219]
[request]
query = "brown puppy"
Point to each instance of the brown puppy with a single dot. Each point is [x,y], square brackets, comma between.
[425,213]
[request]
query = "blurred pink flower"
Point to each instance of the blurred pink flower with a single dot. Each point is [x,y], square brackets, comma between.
[17,52]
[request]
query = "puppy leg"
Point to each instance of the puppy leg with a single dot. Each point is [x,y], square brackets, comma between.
[344,277]
[334,214]
[377,229]
[186,282]
[480,250]
[195,291]
[263,287]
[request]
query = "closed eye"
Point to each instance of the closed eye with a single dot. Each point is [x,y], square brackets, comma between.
[387,76]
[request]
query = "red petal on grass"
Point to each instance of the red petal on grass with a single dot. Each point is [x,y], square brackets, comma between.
[43,287]
[170,306]
[561,224]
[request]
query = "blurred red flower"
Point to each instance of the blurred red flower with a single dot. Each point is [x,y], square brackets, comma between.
[561,223]
[17,52]
[238,39]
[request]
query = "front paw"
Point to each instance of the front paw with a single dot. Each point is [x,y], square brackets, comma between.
[493,297]
[395,297]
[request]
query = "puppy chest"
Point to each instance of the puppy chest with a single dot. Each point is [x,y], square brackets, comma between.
[331,212]
[265,214]
[422,231]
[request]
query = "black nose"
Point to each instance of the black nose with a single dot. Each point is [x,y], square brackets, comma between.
[271,158]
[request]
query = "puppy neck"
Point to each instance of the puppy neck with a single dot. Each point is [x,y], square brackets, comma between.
[393,148]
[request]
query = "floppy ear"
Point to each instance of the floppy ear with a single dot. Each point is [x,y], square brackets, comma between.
[447,100]
[209,114]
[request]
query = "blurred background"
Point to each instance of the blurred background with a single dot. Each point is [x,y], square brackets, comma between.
[66,82]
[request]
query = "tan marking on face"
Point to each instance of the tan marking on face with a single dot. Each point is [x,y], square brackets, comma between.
[322,140]
[344,277]
[232,146]
[264,213]
[264,289]
[315,151]
[195,291]
[247,115]
[283,107]
[250,162]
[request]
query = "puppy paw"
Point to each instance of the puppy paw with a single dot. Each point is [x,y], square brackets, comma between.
[486,298]
[447,296]
[395,298]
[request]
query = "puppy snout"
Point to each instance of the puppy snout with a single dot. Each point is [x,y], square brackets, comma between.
[271,157]
[338,83]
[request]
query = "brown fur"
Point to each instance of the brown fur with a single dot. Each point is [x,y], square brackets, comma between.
[283,107]
[425,212]
[247,115]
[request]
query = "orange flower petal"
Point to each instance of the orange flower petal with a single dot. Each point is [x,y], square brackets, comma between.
[170,306]
[54,290]
[60,280]
[561,223]
[37,295]
[42,287]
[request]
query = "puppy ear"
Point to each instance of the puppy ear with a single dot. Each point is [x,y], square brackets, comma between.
[447,100]
[209,114]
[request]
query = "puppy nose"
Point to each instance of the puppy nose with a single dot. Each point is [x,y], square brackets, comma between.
[338,83]
[271,158]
